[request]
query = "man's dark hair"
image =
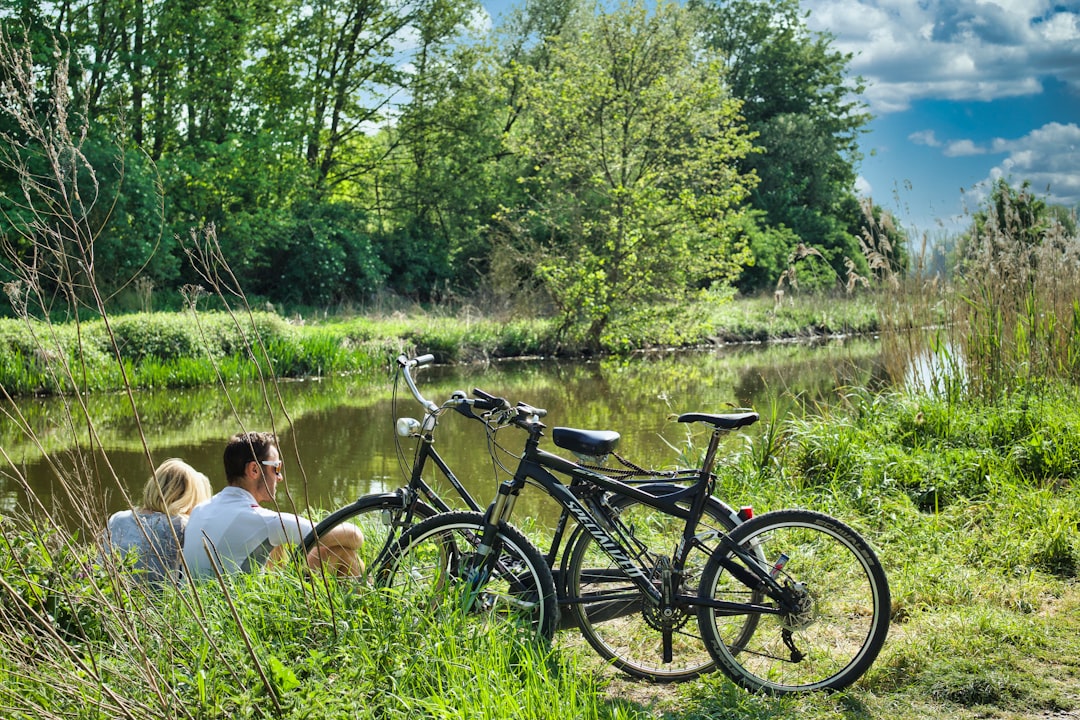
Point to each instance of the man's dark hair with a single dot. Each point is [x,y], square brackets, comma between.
[243,448]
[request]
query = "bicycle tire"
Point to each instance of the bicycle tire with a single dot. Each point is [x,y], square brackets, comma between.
[433,561]
[381,517]
[842,596]
[624,632]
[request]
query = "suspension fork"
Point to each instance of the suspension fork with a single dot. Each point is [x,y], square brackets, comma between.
[498,513]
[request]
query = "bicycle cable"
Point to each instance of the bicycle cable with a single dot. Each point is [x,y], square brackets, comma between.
[403,462]
[493,450]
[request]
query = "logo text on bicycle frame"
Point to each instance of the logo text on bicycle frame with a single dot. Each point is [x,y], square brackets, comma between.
[609,545]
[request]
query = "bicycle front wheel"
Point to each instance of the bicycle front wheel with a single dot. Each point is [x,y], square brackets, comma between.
[825,627]
[381,518]
[436,566]
[614,616]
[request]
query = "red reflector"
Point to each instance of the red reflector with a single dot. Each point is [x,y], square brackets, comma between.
[746,512]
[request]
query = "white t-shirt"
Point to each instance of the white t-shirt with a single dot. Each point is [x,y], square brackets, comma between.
[238,532]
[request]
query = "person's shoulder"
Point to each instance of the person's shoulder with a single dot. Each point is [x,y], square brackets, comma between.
[222,496]
[286,518]
[122,516]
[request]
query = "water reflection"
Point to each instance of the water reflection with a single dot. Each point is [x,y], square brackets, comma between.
[338,440]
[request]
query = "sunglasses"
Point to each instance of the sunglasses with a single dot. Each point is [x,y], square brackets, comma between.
[276,464]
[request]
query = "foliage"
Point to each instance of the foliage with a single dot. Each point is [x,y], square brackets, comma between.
[770,250]
[387,143]
[1019,280]
[631,141]
[802,105]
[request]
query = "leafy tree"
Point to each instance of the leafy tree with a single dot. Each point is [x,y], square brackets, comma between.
[433,187]
[770,248]
[632,143]
[324,257]
[449,169]
[799,100]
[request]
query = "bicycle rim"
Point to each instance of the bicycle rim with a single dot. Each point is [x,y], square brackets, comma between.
[435,567]
[381,520]
[838,607]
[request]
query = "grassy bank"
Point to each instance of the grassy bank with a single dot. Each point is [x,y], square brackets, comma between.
[173,350]
[974,509]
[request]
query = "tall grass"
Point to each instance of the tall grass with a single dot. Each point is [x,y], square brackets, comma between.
[1008,320]
[89,645]
[1020,287]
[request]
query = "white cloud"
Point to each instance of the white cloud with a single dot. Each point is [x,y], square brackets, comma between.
[963,148]
[480,21]
[863,188]
[952,49]
[924,137]
[1048,158]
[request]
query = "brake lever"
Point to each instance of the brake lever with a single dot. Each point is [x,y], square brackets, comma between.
[462,405]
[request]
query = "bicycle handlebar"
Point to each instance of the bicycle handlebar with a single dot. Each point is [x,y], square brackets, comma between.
[406,365]
[458,400]
[484,400]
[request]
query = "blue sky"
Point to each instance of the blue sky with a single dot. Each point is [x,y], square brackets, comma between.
[962,92]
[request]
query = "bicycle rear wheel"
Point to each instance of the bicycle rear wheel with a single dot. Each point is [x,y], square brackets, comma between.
[382,518]
[436,566]
[834,606]
[614,617]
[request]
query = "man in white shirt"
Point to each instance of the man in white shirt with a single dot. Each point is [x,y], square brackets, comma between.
[234,533]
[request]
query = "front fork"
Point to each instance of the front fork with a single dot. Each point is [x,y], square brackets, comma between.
[485,558]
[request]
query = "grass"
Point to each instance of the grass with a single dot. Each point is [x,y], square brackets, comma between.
[186,350]
[985,621]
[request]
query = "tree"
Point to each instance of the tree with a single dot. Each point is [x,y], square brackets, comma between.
[632,143]
[431,187]
[448,169]
[799,100]
[80,217]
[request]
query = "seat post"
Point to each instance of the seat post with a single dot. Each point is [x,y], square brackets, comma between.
[710,453]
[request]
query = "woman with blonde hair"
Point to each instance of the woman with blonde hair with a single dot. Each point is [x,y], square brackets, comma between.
[154,531]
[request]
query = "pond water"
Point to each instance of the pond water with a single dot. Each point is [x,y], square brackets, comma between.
[77,462]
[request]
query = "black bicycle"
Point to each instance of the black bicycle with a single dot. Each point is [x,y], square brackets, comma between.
[787,601]
[383,517]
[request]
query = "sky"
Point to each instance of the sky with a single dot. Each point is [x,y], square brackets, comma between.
[963,92]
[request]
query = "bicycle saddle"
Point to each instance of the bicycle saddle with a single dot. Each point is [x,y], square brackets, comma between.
[591,443]
[725,421]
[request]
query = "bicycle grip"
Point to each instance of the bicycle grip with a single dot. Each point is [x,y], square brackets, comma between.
[424,360]
[487,401]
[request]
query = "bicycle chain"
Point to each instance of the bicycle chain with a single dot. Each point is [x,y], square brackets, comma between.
[632,471]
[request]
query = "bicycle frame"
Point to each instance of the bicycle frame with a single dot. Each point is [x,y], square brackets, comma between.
[537,465]
[418,485]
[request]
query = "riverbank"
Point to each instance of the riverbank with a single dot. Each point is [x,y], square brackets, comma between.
[972,504]
[175,350]
[973,508]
